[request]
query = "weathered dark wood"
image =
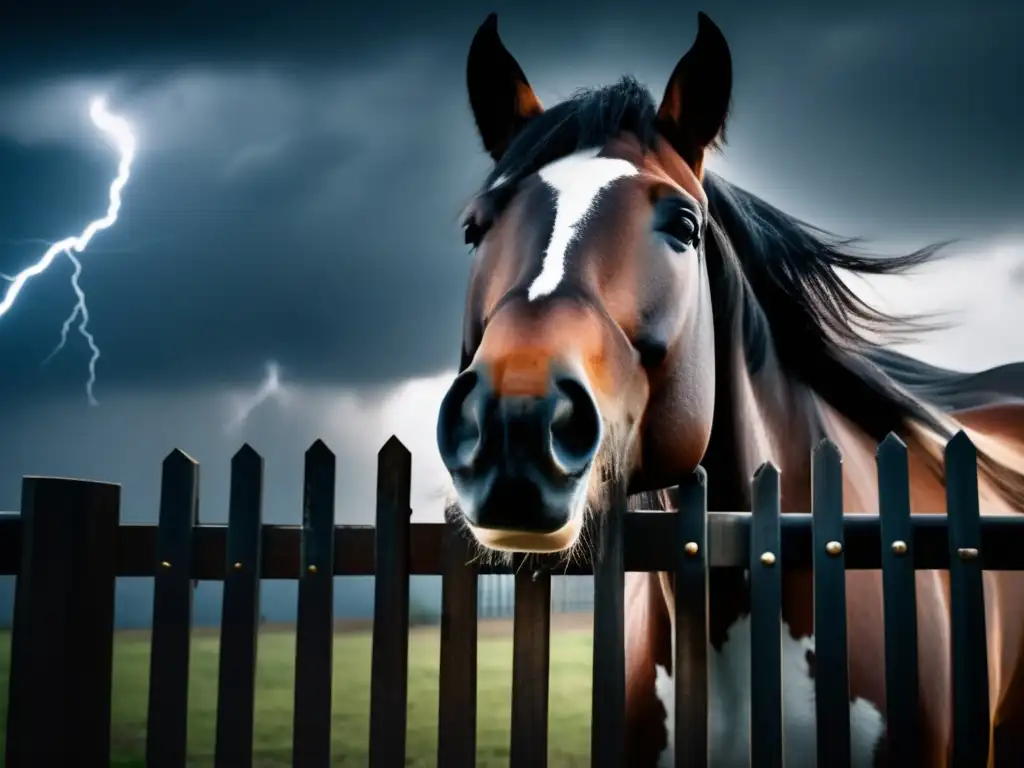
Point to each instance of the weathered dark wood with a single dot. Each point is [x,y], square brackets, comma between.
[967,606]
[831,669]
[18,675]
[456,730]
[900,600]
[239,624]
[765,621]
[607,723]
[649,538]
[167,722]
[390,663]
[62,644]
[314,631]
[690,665]
[531,650]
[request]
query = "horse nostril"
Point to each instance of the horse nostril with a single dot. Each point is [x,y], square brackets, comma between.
[458,422]
[575,426]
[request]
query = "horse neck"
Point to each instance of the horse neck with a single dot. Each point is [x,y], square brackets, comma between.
[766,416]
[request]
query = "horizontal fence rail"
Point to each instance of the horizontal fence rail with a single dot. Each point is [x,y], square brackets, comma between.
[647,546]
[67,547]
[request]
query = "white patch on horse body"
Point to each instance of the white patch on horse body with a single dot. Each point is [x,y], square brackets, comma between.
[729,706]
[577,181]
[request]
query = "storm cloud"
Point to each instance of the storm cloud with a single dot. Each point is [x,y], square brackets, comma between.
[301,167]
[302,205]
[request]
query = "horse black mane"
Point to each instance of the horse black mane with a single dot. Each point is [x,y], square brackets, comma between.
[787,290]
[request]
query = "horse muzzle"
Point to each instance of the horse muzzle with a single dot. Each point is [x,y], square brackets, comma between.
[520,460]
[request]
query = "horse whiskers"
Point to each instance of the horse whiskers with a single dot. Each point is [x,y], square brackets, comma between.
[607,474]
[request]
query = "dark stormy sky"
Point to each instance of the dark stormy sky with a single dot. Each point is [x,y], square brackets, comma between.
[301,166]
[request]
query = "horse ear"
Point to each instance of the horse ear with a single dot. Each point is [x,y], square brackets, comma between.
[696,101]
[499,94]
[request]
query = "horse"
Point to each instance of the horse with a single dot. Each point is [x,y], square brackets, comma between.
[631,315]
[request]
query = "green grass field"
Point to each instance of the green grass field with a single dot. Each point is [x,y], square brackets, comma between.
[570,690]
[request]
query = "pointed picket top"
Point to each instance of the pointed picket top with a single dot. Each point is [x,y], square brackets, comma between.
[826,458]
[960,448]
[179,489]
[319,451]
[393,450]
[961,461]
[699,477]
[765,480]
[180,474]
[178,458]
[891,461]
[891,448]
[826,482]
[828,451]
[826,462]
[246,455]
[693,492]
[394,479]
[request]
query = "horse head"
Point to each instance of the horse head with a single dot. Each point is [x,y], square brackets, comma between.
[588,343]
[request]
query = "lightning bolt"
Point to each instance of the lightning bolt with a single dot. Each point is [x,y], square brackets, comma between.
[270,389]
[120,132]
[81,310]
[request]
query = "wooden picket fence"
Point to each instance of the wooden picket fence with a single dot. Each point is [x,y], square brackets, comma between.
[68,546]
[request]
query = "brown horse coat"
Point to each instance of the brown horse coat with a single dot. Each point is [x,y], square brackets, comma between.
[613,275]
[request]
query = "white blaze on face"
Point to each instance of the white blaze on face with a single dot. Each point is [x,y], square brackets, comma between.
[577,181]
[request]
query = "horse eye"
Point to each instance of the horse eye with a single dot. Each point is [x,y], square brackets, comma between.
[474,233]
[680,230]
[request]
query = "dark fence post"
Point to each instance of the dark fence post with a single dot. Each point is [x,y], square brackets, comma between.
[314,631]
[62,644]
[167,722]
[389,683]
[831,669]
[690,665]
[531,662]
[765,621]
[239,623]
[608,719]
[967,606]
[899,596]
[456,706]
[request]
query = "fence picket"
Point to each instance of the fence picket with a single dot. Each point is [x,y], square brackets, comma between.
[608,718]
[389,683]
[831,669]
[167,720]
[900,601]
[531,657]
[765,621]
[62,645]
[314,630]
[456,706]
[239,624]
[967,606]
[690,665]
[67,547]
